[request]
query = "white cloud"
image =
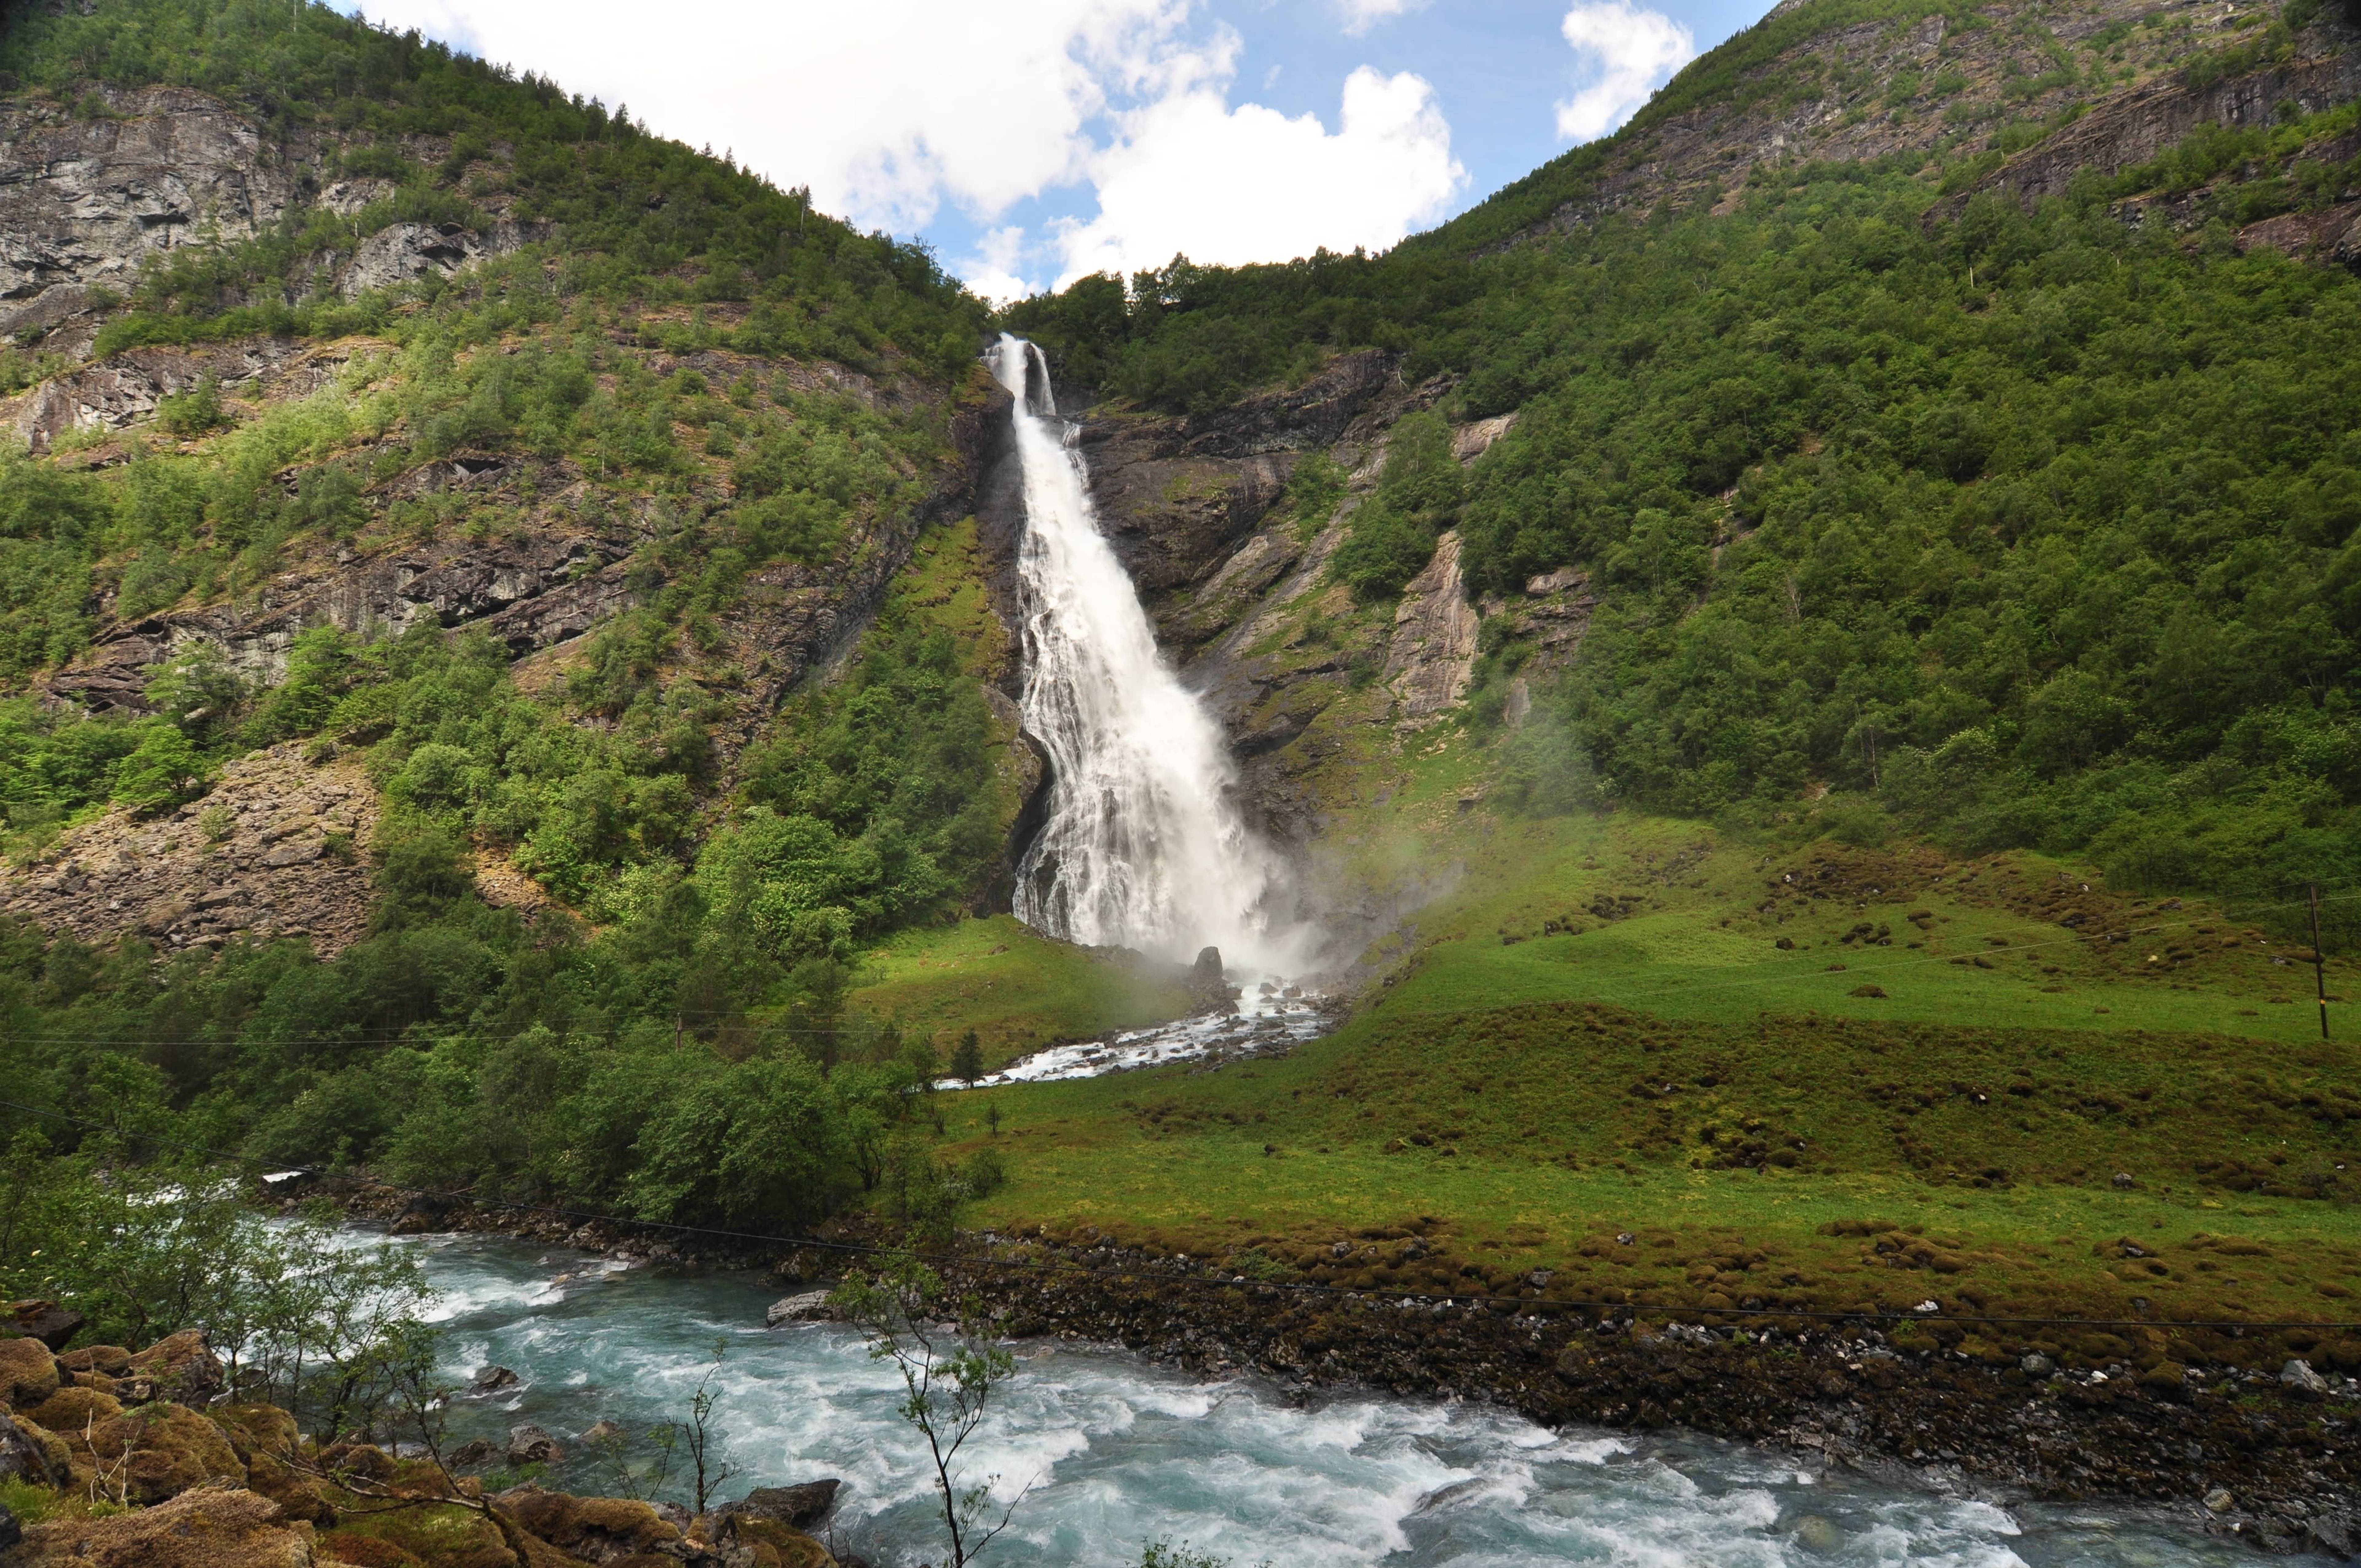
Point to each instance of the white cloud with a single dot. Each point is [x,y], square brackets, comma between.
[1360,16]
[992,271]
[884,107]
[1188,173]
[1632,52]
[891,110]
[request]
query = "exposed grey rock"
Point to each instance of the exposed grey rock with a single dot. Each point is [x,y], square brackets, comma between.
[491,1379]
[84,201]
[53,1325]
[2299,1376]
[1433,654]
[799,1506]
[809,1306]
[529,1444]
[403,253]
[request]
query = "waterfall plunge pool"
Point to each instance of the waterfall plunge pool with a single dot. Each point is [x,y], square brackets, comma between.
[1122,1452]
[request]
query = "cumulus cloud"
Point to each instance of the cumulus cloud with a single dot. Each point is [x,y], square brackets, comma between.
[1629,53]
[1190,173]
[892,110]
[885,108]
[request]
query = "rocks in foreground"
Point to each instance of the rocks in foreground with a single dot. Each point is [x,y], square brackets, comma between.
[128,1460]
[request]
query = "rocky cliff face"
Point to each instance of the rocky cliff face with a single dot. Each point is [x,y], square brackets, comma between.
[274,849]
[529,550]
[1888,87]
[86,197]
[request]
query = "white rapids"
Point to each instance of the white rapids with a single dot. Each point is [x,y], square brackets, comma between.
[1143,845]
[1121,1454]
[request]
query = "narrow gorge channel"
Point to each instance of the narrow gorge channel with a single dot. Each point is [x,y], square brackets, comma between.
[1121,1453]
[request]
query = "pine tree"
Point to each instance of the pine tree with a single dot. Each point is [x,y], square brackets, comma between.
[967,1059]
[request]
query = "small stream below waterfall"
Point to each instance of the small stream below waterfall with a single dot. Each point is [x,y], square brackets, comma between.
[1122,1452]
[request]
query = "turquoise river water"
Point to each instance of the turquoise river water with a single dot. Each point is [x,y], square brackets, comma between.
[1120,1452]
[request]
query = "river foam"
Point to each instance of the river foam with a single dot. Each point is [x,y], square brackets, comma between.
[1119,1454]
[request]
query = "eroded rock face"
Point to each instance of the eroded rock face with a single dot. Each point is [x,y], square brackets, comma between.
[1433,649]
[529,590]
[271,851]
[84,201]
[403,253]
[2141,124]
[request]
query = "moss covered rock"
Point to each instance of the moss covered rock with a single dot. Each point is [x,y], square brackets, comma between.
[75,1409]
[599,1529]
[153,1453]
[206,1527]
[29,1372]
[32,1452]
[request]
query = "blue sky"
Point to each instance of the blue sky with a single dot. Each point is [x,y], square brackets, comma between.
[1031,140]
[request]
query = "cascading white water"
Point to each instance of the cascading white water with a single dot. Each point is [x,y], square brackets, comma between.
[1142,846]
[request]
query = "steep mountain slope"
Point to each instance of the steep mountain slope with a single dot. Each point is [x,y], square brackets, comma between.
[1906,433]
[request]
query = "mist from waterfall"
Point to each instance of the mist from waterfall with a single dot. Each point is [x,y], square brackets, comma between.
[1142,846]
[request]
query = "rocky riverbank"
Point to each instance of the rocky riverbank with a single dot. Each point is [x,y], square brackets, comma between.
[116,1459]
[2252,1443]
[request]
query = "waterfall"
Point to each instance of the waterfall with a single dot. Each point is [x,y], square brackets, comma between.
[1142,846]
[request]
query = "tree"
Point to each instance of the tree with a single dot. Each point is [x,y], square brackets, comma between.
[949,1376]
[967,1059]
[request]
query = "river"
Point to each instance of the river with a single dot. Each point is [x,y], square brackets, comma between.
[1121,1453]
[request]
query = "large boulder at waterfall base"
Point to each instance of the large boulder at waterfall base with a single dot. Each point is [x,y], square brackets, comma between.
[801,1506]
[809,1306]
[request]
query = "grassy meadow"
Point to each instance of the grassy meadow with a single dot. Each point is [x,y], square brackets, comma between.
[1820,1077]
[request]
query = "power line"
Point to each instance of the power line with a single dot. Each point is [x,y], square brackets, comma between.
[1521,1304]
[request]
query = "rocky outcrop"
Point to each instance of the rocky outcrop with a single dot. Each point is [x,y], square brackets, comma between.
[2140,125]
[1884,88]
[529,590]
[403,253]
[127,387]
[273,850]
[1432,654]
[85,198]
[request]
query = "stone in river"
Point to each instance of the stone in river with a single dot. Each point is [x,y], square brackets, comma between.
[811,1307]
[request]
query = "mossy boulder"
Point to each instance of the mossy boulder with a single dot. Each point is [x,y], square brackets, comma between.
[204,1526]
[30,1452]
[153,1453]
[110,1360]
[442,1535]
[28,1372]
[772,1544]
[599,1529]
[75,1409]
[256,1429]
[180,1367]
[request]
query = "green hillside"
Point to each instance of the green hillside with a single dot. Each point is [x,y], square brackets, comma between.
[1915,846]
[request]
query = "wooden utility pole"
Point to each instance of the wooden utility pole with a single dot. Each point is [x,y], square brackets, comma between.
[2319,960]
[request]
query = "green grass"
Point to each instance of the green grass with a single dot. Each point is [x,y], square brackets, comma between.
[1518,1099]
[1017,990]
